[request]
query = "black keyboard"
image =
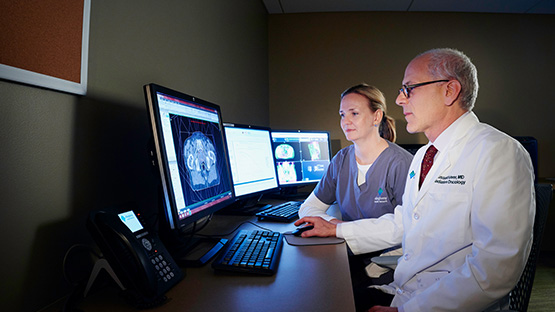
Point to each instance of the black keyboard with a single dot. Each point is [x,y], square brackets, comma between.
[248,251]
[285,212]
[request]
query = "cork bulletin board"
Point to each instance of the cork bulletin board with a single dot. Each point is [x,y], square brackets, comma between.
[45,43]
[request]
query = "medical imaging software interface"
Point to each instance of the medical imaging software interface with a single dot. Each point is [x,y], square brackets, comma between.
[300,157]
[251,160]
[195,155]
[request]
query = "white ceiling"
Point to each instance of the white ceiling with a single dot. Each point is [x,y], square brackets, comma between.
[481,6]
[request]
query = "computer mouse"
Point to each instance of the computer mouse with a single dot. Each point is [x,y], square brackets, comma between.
[298,231]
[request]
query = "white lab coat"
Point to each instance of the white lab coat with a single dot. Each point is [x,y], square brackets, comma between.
[467,232]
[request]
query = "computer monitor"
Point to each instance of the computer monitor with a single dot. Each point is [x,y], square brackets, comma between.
[301,157]
[531,145]
[411,147]
[251,160]
[191,155]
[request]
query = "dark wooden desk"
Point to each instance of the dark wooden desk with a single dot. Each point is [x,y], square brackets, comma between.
[309,278]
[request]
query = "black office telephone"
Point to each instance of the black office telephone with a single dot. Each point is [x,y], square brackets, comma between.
[138,257]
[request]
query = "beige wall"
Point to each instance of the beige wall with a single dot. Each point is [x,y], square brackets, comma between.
[314,57]
[64,155]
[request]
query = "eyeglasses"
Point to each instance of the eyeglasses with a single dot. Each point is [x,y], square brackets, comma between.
[406,89]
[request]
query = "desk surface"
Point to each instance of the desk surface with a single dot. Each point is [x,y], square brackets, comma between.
[309,278]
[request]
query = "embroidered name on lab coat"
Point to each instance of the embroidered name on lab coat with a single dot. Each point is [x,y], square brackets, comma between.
[452,179]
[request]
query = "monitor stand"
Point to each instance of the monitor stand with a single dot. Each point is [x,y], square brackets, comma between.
[294,192]
[198,251]
[189,250]
[186,249]
[245,207]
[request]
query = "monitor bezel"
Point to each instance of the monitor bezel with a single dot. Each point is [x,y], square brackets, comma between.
[330,155]
[262,192]
[168,205]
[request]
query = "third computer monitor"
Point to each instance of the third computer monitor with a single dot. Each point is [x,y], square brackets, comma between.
[301,157]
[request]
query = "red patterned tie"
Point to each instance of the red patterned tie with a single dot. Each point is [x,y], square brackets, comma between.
[427,163]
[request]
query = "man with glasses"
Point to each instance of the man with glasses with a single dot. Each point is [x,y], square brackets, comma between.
[468,208]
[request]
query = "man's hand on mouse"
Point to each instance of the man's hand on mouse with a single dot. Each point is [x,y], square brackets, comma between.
[322,228]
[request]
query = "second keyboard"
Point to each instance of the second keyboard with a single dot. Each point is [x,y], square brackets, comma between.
[285,212]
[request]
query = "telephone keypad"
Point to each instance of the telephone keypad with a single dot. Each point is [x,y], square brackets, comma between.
[163,268]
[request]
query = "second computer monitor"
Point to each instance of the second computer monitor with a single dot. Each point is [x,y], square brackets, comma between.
[301,157]
[251,160]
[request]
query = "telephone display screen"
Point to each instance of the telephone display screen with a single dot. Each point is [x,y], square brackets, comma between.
[130,220]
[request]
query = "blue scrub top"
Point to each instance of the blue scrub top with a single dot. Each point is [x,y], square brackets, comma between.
[380,194]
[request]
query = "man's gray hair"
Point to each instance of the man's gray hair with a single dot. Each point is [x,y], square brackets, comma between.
[451,64]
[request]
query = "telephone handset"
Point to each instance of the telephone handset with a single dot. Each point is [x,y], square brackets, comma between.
[138,257]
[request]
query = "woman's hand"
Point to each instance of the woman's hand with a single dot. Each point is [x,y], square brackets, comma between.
[322,228]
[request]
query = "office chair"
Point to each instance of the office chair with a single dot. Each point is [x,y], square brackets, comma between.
[519,297]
